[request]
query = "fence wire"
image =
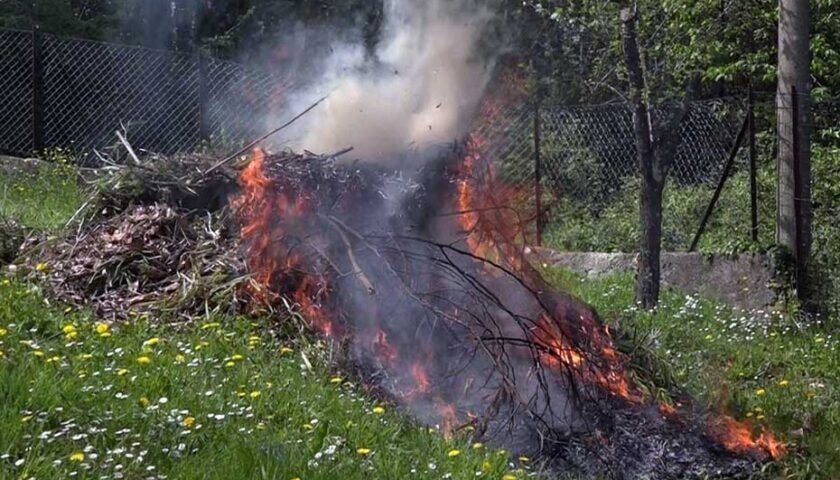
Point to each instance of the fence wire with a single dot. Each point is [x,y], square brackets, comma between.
[76,93]
[92,89]
[16,127]
[587,154]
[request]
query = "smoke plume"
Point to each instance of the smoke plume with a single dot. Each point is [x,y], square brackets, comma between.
[420,88]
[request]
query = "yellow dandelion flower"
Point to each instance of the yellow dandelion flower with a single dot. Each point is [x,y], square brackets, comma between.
[105,335]
[783,383]
[121,372]
[86,356]
[72,335]
[286,350]
[363,451]
[151,342]
[255,394]
[508,476]
[749,414]
[38,353]
[26,419]
[53,359]
[378,410]
[524,459]
[144,402]
[759,417]
[230,364]
[102,327]
[180,358]
[453,453]
[760,392]
[144,360]
[69,328]
[307,426]
[3,332]
[237,357]
[486,466]
[2,354]
[296,478]
[336,380]
[501,452]
[77,457]
[478,446]
[189,421]
[42,267]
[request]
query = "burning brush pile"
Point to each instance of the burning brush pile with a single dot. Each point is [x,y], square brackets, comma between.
[418,276]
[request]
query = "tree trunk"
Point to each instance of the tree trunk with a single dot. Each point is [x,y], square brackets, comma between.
[653,179]
[794,74]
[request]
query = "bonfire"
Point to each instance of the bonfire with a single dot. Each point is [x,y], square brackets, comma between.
[416,270]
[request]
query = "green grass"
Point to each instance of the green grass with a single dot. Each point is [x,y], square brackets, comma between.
[45,198]
[221,400]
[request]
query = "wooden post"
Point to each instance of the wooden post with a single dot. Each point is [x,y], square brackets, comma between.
[726,171]
[753,169]
[538,169]
[203,97]
[37,91]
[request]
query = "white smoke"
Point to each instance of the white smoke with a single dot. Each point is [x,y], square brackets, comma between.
[423,90]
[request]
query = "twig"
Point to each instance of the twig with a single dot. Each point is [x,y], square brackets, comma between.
[356,268]
[257,141]
[127,146]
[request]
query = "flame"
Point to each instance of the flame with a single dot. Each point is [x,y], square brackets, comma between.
[449,418]
[737,437]
[421,379]
[384,350]
[264,208]
[606,370]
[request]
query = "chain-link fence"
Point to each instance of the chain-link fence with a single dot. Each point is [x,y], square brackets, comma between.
[585,159]
[70,93]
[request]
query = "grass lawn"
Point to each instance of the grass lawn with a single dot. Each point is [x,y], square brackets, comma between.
[227,399]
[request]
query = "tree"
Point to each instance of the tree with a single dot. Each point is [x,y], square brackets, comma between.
[793,212]
[657,138]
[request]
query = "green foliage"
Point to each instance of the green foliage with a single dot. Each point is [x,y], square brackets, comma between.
[89,19]
[730,42]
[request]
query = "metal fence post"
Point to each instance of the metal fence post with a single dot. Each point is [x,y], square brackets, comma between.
[753,169]
[726,170]
[37,91]
[538,170]
[203,98]
[799,256]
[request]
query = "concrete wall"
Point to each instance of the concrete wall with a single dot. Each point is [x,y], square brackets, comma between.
[741,281]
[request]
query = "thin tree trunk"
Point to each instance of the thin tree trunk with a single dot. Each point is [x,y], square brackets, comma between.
[794,72]
[648,262]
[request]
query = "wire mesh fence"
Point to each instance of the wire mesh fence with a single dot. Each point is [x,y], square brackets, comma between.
[16,92]
[582,163]
[71,93]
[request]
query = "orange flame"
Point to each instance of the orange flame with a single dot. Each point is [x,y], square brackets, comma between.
[737,437]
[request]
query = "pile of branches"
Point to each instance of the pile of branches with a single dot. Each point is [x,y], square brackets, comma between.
[152,260]
[150,240]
